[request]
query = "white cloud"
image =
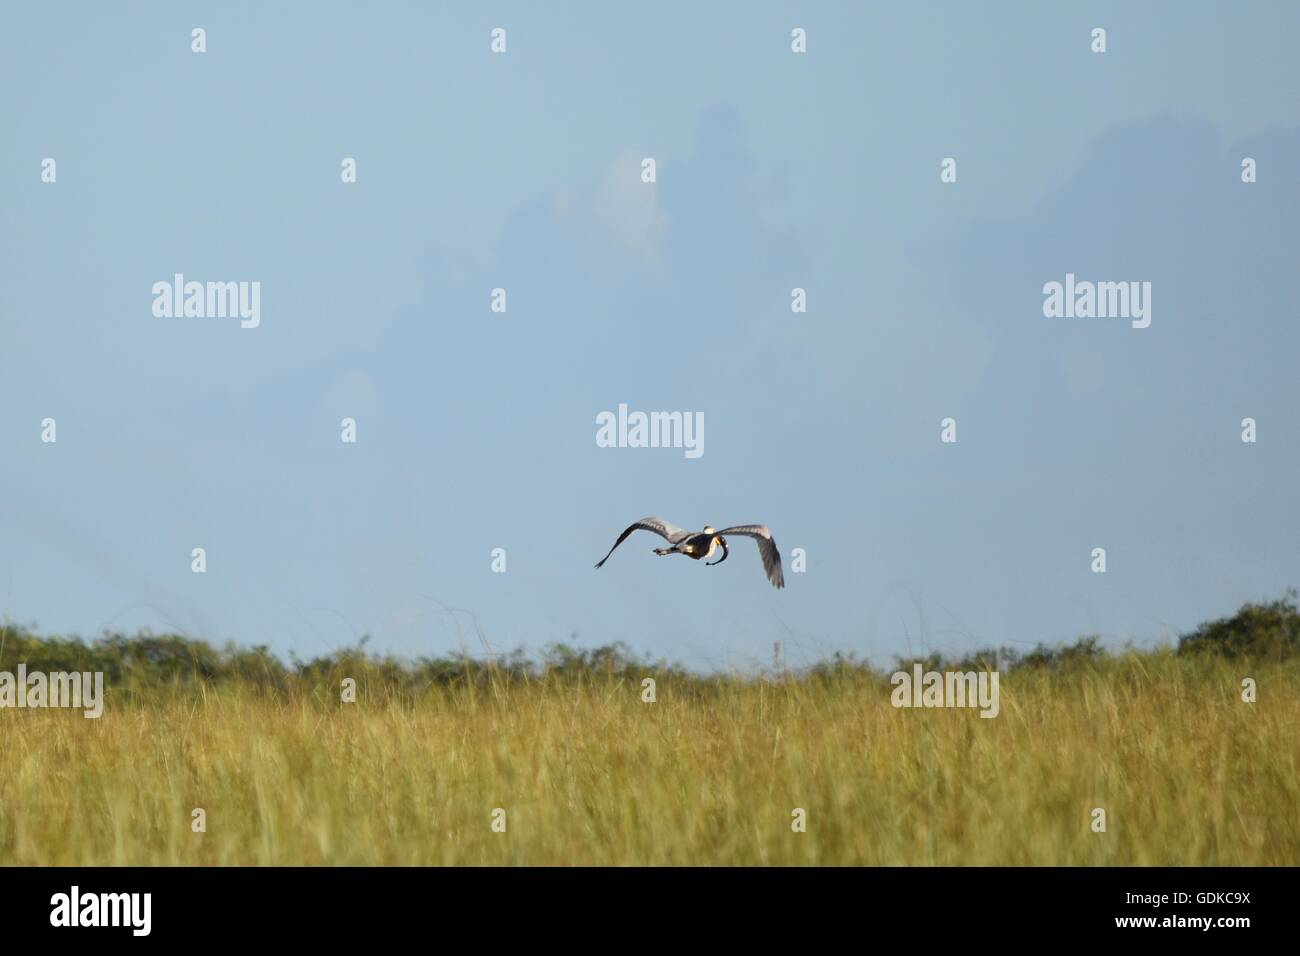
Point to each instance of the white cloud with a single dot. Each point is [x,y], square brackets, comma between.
[628,209]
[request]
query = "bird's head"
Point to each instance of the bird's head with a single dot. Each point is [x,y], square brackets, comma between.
[709,529]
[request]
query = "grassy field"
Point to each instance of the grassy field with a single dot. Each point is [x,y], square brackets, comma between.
[708,774]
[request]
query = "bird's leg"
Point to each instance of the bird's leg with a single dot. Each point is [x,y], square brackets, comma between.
[662,551]
[722,542]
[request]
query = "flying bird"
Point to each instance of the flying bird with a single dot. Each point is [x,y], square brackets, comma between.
[702,544]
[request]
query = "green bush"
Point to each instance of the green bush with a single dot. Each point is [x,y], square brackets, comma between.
[1262,632]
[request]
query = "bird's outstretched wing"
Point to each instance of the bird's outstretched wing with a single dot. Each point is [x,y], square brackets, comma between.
[766,548]
[659,526]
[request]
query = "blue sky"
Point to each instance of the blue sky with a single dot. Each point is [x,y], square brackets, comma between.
[775,170]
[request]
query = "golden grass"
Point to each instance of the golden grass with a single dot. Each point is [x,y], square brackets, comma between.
[709,774]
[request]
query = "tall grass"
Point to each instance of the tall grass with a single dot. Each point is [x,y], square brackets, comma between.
[710,773]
